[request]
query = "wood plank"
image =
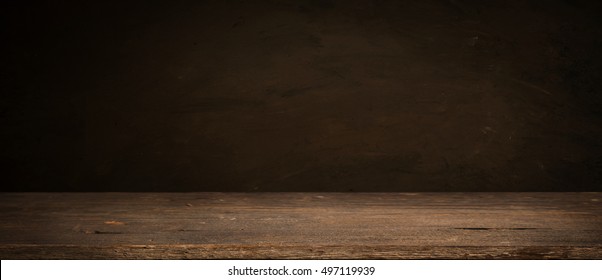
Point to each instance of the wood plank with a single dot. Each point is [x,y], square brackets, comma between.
[301,225]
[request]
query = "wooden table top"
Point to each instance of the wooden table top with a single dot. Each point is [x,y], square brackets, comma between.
[301,226]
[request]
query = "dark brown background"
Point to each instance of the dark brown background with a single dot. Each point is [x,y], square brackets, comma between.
[428,95]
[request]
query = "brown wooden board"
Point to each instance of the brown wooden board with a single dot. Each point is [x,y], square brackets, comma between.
[301,226]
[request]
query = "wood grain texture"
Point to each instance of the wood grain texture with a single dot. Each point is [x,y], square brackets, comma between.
[301,226]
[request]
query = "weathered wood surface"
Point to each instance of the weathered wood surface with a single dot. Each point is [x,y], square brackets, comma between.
[301,226]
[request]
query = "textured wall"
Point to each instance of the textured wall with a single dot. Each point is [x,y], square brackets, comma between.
[302,96]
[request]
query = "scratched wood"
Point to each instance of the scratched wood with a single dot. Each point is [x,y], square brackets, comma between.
[301,226]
